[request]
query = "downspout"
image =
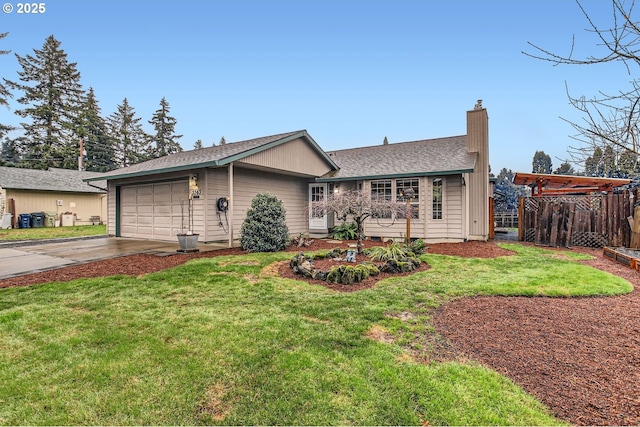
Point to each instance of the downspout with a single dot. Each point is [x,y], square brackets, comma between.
[231,203]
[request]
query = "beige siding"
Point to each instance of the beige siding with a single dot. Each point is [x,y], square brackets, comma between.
[450,227]
[291,190]
[295,156]
[216,185]
[111,209]
[83,205]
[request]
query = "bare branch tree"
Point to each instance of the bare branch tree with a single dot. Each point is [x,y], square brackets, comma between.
[611,120]
[358,206]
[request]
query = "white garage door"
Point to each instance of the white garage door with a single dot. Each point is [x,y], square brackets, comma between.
[154,211]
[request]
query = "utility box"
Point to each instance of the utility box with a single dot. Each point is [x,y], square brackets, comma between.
[67,220]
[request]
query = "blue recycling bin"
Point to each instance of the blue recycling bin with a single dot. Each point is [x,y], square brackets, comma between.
[37,219]
[24,221]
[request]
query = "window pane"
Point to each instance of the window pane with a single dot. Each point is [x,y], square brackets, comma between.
[401,187]
[436,204]
[381,190]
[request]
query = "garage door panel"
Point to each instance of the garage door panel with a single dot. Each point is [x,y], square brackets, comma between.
[162,221]
[146,210]
[127,193]
[162,210]
[128,210]
[146,189]
[153,211]
[145,232]
[145,220]
[144,199]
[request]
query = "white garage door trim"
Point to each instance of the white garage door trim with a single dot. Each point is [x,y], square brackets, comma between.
[154,211]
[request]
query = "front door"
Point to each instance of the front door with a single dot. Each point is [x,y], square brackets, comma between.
[317,193]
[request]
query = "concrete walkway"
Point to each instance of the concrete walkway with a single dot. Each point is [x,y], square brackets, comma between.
[18,258]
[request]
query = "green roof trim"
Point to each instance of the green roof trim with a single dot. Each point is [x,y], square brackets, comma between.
[156,171]
[397,175]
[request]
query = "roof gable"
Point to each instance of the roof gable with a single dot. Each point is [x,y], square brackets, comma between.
[219,155]
[439,156]
[52,179]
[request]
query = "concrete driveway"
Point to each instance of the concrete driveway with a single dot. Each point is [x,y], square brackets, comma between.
[17,259]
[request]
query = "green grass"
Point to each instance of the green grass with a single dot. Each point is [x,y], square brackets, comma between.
[215,342]
[43,233]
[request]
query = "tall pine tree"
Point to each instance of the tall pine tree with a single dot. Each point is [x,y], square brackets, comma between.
[4,98]
[541,162]
[52,95]
[91,128]
[165,140]
[131,142]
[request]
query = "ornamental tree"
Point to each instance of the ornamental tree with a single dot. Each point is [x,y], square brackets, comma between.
[358,206]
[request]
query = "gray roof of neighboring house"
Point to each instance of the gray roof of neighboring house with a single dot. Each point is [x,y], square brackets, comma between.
[218,155]
[53,179]
[441,156]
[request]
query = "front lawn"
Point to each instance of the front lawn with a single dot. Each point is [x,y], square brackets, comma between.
[220,341]
[43,233]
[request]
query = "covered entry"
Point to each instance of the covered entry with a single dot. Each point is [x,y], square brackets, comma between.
[153,211]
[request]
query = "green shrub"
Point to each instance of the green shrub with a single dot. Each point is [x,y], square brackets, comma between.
[393,251]
[264,229]
[345,231]
[418,247]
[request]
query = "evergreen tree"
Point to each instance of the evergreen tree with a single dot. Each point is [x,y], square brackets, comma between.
[4,96]
[9,155]
[52,96]
[594,165]
[130,140]
[565,169]
[541,162]
[609,162]
[507,193]
[628,163]
[91,128]
[165,141]
[197,145]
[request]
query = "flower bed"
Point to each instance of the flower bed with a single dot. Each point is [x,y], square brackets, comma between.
[343,272]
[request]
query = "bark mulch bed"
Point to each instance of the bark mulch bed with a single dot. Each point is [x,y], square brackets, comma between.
[580,356]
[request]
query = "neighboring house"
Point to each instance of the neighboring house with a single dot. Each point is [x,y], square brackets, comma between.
[59,191]
[449,175]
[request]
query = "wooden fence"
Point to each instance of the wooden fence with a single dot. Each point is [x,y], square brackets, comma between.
[506,218]
[594,220]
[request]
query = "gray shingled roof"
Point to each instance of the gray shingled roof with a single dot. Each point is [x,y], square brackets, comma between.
[440,156]
[54,179]
[218,155]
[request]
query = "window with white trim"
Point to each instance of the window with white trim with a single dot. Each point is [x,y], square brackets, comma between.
[436,199]
[401,187]
[381,190]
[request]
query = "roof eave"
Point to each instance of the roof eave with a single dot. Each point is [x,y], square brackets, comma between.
[397,175]
[154,171]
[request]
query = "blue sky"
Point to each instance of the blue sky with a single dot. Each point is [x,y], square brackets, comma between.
[350,72]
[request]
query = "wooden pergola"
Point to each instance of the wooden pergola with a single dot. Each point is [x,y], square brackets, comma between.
[556,185]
